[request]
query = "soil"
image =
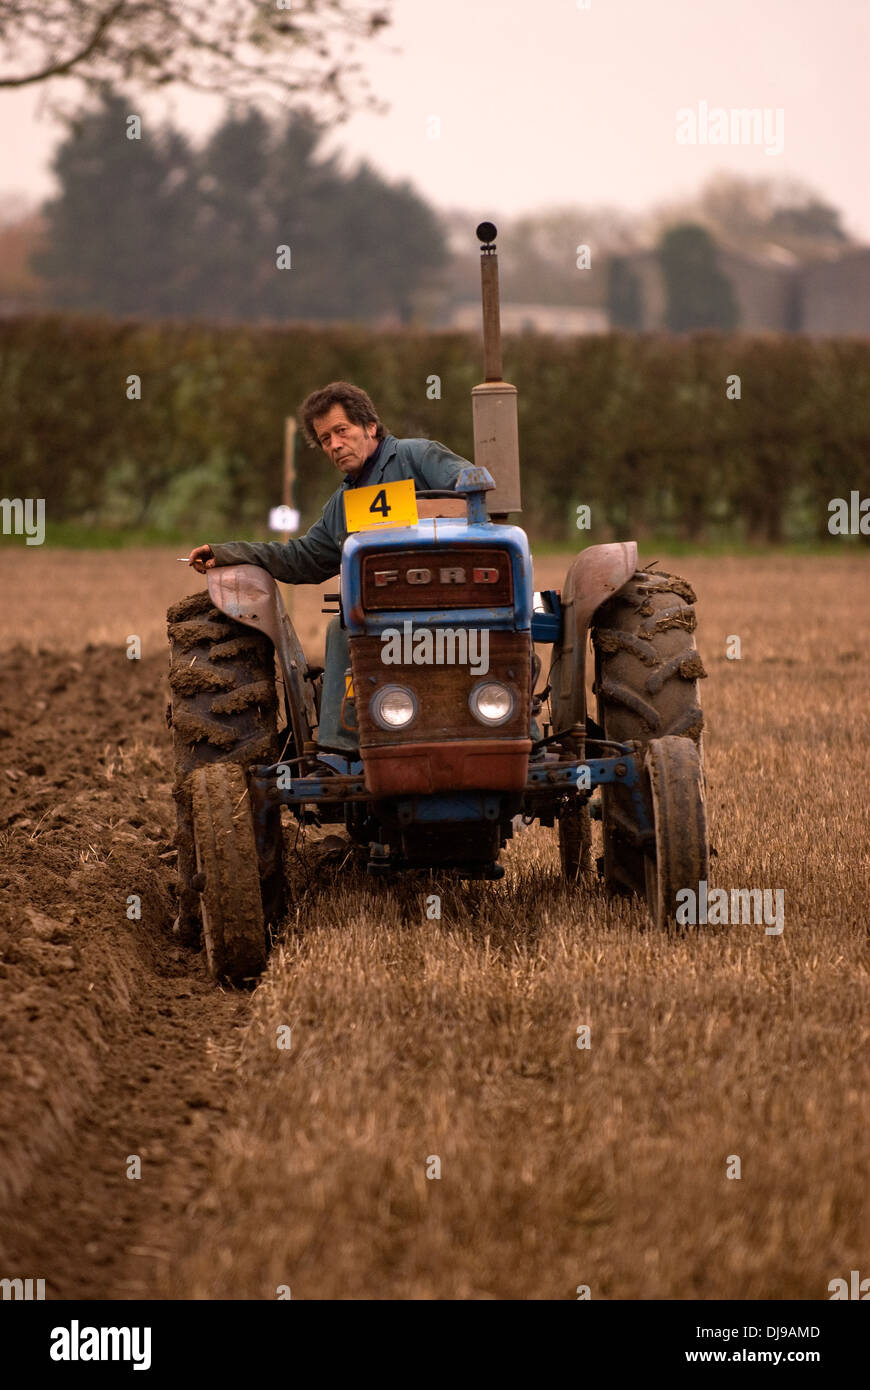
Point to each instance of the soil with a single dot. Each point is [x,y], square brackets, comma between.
[415,1036]
[114,1043]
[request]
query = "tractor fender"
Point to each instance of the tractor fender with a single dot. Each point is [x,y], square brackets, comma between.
[249,594]
[595,576]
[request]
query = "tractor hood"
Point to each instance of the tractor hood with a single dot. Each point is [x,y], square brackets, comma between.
[443,570]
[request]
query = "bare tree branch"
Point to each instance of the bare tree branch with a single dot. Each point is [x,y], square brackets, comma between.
[60,69]
[228,49]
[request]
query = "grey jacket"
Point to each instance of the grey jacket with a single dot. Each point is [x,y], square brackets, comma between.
[317,555]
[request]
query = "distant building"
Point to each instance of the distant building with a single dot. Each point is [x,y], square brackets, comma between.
[835,295]
[767,291]
[776,293]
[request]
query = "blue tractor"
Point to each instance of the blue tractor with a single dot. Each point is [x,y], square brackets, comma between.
[456,734]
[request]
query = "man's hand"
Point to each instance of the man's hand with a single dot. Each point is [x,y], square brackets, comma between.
[201,558]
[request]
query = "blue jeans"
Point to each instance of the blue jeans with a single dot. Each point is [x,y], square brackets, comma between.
[330,729]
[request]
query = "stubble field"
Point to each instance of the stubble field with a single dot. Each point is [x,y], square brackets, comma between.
[312,1167]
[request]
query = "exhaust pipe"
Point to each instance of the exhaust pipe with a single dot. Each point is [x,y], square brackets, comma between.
[494,402]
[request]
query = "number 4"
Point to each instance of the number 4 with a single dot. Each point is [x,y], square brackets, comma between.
[380,504]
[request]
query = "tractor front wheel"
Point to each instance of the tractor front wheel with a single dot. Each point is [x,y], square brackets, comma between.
[682,856]
[575,841]
[228,875]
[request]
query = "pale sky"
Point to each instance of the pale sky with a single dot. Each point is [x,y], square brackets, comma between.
[553,103]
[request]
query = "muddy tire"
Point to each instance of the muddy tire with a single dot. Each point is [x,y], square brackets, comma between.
[223,709]
[575,842]
[682,856]
[228,878]
[647,670]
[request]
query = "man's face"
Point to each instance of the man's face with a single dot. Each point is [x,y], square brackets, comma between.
[348,445]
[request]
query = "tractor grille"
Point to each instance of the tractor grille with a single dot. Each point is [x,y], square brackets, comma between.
[457,577]
[442,692]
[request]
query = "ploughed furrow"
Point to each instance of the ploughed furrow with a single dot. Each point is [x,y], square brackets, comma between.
[116,1048]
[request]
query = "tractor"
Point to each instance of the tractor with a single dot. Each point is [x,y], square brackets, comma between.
[450,758]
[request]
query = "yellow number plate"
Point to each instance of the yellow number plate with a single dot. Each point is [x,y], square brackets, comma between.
[385,504]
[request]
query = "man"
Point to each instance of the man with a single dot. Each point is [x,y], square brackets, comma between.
[342,420]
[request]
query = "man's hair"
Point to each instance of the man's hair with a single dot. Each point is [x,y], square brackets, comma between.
[357,405]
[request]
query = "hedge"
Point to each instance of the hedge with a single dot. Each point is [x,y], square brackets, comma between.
[640,428]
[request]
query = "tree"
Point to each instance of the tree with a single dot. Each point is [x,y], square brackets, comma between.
[118,236]
[362,247]
[233,257]
[813,220]
[697,294]
[395,243]
[152,227]
[623,295]
[760,217]
[242,50]
[302,194]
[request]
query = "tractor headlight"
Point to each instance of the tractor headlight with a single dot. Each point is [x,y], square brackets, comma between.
[393,707]
[491,702]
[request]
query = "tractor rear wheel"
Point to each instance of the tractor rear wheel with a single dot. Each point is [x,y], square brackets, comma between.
[228,878]
[647,670]
[223,709]
[682,855]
